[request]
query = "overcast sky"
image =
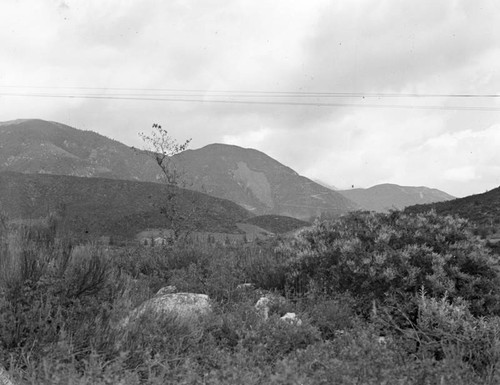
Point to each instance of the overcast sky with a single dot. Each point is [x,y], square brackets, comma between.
[358,47]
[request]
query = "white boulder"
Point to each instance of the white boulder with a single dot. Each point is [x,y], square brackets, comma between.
[188,307]
[292,318]
[262,307]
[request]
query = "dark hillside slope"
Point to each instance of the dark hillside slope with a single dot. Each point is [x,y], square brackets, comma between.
[483,209]
[277,224]
[106,207]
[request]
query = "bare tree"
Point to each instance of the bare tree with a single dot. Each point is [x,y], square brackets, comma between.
[162,148]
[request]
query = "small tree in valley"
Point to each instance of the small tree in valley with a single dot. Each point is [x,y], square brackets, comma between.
[162,148]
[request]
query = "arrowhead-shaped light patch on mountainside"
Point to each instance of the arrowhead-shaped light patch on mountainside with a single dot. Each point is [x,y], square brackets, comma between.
[258,182]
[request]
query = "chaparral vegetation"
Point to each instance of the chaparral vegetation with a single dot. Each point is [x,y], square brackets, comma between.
[392,298]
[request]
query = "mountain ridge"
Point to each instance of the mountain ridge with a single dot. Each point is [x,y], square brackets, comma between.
[248,177]
[387,196]
[258,182]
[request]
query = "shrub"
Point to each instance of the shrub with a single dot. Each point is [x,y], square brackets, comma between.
[58,316]
[49,291]
[448,331]
[261,266]
[332,316]
[388,257]
[356,358]
[243,329]
[273,339]
[163,340]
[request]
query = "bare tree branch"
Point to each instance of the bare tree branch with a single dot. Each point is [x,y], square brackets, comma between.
[162,148]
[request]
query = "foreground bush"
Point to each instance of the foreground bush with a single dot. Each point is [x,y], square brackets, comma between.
[449,332]
[387,257]
[215,270]
[59,314]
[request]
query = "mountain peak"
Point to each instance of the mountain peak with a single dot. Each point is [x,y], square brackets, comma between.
[231,148]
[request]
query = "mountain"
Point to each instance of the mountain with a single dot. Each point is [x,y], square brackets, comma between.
[259,183]
[40,147]
[324,184]
[384,197]
[247,177]
[94,207]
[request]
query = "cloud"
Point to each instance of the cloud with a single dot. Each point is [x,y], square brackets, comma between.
[397,46]
[319,45]
[253,139]
[461,174]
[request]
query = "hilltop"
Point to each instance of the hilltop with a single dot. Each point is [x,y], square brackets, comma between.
[384,197]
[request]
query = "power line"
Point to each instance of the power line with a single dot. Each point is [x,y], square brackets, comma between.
[247,93]
[253,102]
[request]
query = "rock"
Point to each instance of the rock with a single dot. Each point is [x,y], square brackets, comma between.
[245,287]
[270,303]
[292,318]
[166,290]
[188,307]
[262,307]
[4,377]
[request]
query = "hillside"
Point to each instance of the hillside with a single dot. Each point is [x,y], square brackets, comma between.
[258,182]
[324,184]
[39,147]
[93,207]
[247,177]
[277,224]
[384,197]
[483,209]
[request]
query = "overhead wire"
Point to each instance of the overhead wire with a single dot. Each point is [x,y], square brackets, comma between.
[248,97]
[264,93]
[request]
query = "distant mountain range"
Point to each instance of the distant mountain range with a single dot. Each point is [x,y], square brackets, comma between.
[247,177]
[384,197]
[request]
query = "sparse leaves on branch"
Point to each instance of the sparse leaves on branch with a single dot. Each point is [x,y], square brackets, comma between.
[162,148]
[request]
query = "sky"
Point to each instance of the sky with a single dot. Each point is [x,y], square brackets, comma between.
[351,92]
